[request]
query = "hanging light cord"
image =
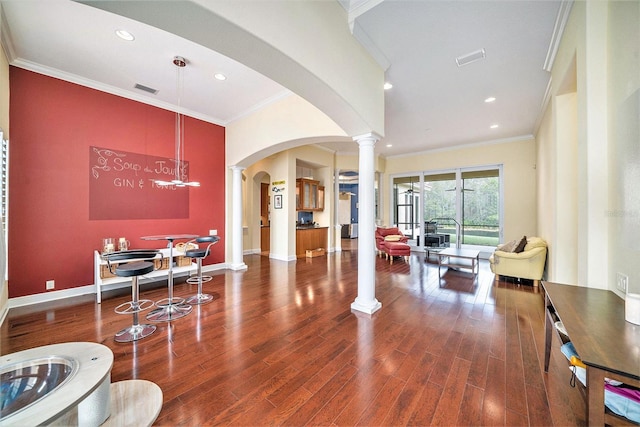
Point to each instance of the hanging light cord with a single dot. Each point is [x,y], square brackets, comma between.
[179,62]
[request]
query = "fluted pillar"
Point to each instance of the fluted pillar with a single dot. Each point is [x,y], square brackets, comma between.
[366,301]
[237,262]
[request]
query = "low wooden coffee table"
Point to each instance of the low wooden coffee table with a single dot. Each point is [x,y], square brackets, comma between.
[452,258]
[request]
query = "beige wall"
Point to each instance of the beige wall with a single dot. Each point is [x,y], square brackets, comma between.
[519,172]
[589,144]
[546,181]
[557,187]
[276,168]
[261,142]
[282,167]
[285,124]
[623,100]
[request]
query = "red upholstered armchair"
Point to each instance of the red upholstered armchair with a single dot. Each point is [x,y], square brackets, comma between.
[381,233]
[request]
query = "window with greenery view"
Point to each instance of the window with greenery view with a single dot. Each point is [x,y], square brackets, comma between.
[470,198]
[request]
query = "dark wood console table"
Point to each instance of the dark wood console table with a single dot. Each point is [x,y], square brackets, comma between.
[606,343]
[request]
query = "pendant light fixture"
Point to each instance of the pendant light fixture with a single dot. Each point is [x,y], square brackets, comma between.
[180,63]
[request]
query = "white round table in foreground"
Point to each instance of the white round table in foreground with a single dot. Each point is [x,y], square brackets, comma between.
[89,371]
[134,403]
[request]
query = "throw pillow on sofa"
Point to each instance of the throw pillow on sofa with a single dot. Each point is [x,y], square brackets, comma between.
[508,247]
[520,246]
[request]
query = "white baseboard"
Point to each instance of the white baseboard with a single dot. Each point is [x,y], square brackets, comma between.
[4,300]
[78,291]
[51,296]
[286,258]
[3,314]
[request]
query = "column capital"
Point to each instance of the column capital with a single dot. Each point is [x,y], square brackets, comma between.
[370,137]
[237,168]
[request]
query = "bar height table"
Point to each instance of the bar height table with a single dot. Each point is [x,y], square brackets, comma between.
[170,308]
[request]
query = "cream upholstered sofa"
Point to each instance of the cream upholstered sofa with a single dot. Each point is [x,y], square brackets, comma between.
[528,264]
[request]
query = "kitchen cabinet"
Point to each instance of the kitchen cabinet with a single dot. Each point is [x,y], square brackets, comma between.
[320,197]
[265,239]
[309,195]
[310,238]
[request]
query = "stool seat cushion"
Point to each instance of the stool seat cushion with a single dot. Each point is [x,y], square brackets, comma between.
[196,253]
[137,268]
[208,239]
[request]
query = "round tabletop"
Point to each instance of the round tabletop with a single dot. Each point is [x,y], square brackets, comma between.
[92,365]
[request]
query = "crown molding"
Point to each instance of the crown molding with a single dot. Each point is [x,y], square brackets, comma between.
[5,37]
[561,22]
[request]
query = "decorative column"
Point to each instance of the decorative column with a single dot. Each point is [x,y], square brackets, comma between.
[237,263]
[337,227]
[366,301]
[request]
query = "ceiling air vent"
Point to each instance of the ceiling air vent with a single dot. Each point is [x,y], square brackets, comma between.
[470,57]
[146,89]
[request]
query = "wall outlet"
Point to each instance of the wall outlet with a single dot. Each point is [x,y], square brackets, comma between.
[213,232]
[622,282]
[51,284]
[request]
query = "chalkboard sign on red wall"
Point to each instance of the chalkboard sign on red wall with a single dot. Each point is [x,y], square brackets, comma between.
[122,186]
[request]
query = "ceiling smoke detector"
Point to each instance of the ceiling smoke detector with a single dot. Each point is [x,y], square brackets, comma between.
[470,57]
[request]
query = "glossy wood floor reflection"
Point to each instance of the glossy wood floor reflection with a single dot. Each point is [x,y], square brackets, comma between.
[280,346]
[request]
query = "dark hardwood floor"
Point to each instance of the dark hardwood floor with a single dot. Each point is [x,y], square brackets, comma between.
[280,346]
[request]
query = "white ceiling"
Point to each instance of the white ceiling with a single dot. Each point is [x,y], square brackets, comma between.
[433,103]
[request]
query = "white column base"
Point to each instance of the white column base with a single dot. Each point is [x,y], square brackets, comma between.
[369,308]
[241,266]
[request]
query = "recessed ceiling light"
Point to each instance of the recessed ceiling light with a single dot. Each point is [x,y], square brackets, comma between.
[220,76]
[125,35]
[490,99]
[494,126]
[387,86]
[389,145]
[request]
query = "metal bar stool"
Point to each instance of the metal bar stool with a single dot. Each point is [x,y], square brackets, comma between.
[199,254]
[133,269]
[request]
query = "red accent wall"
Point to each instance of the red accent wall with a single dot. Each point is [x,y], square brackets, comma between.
[53,124]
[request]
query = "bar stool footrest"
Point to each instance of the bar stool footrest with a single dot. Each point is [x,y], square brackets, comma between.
[129,306]
[166,302]
[194,279]
[169,313]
